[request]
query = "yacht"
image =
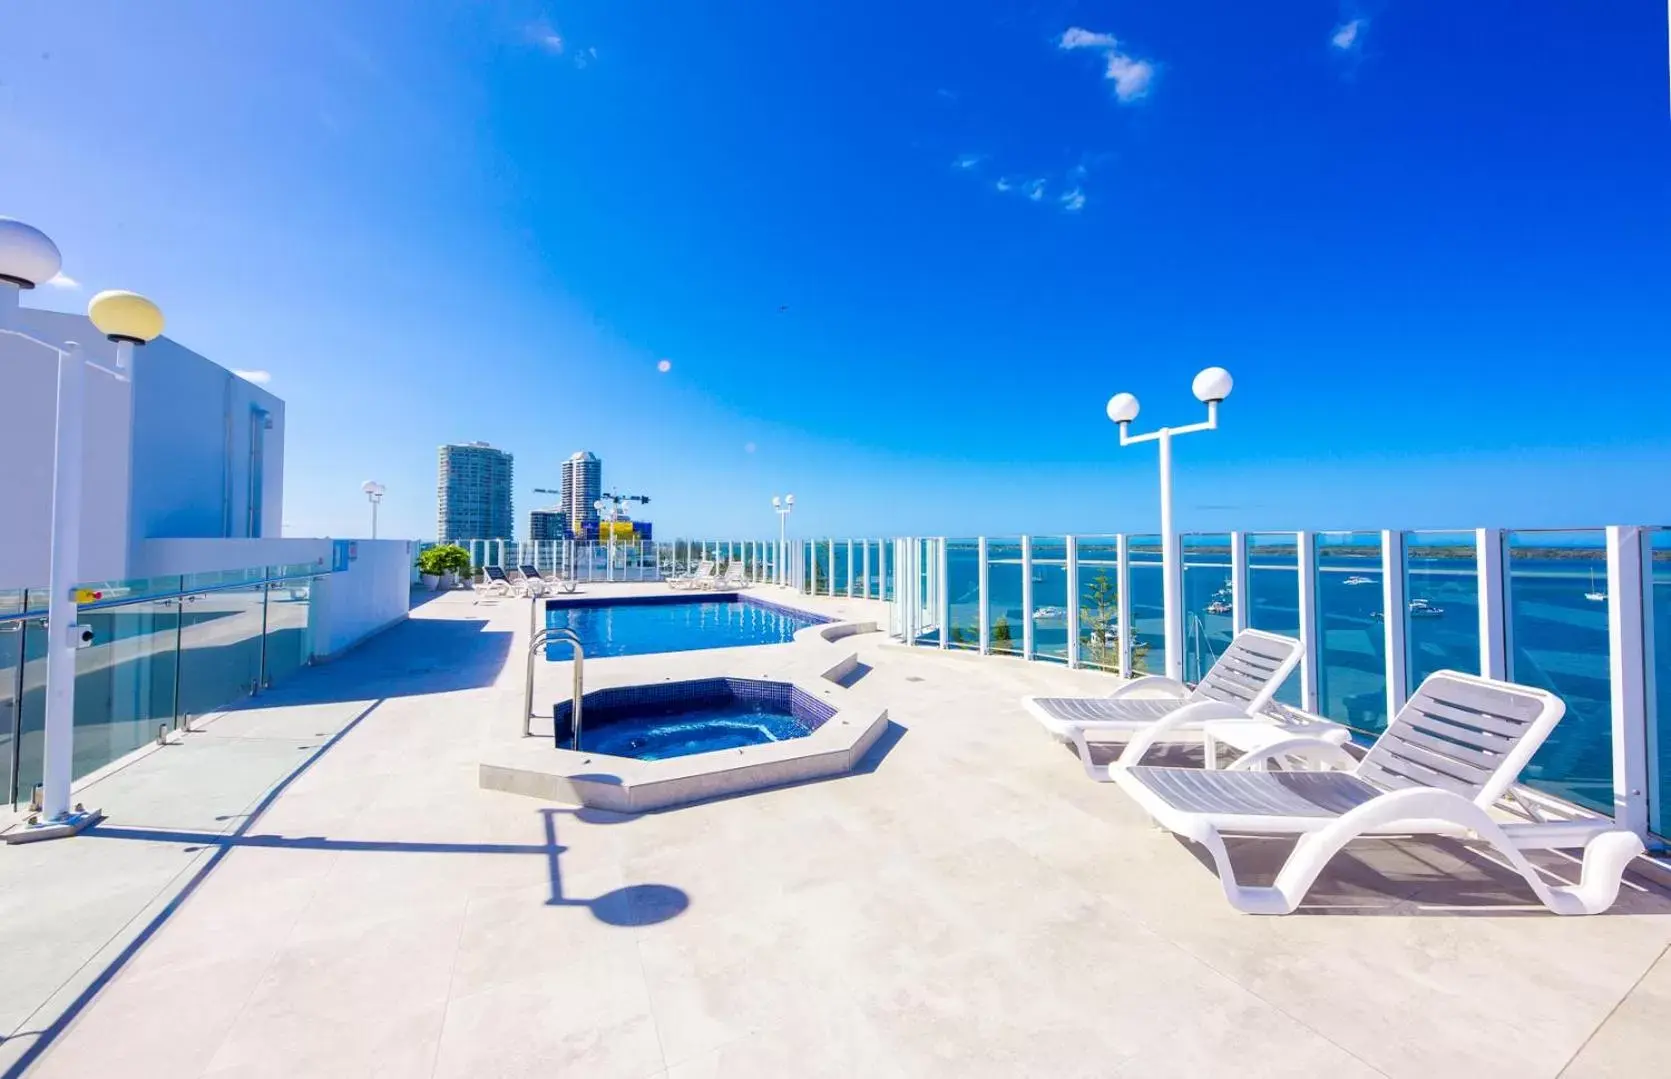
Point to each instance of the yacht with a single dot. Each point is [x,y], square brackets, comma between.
[1219,606]
[1418,608]
[1044,614]
[1359,579]
[1595,595]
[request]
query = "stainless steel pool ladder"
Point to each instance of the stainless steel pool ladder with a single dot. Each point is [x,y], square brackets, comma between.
[535,646]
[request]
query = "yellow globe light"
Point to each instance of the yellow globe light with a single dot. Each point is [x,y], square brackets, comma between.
[125,316]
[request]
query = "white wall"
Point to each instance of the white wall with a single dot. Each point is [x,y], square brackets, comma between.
[373,594]
[166,456]
[28,410]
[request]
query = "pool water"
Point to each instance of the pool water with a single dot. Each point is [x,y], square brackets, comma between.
[676,730]
[642,625]
[676,719]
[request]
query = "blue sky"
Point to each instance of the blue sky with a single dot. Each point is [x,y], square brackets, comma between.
[897,255]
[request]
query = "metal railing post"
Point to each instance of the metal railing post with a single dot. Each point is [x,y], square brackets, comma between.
[1026,597]
[1073,600]
[1240,601]
[1394,608]
[1305,560]
[983,618]
[1493,601]
[1627,569]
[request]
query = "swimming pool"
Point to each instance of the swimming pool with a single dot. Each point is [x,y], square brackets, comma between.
[677,719]
[638,625]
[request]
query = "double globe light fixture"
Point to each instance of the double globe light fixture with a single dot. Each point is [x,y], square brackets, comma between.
[29,258]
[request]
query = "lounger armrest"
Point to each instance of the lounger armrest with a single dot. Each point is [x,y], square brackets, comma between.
[1149,683]
[1189,715]
[1323,752]
[1082,746]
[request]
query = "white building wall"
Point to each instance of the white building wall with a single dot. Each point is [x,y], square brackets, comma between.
[167,455]
[373,594]
[28,410]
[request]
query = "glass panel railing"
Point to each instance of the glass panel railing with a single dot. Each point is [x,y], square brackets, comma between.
[31,718]
[289,644]
[1148,605]
[888,556]
[124,681]
[1557,625]
[12,603]
[1442,592]
[1208,621]
[1658,660]
[1004,611]
[220,647]
[1273,586]
[1098,564]
[1351,641]
[963,593]
[838,584]
[1050,598]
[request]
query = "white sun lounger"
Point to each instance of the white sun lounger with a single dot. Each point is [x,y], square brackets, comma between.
[1239,684]
[1442,763]
[696,578]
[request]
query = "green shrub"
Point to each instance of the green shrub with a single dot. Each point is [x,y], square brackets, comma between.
[447,558]
[1001,640]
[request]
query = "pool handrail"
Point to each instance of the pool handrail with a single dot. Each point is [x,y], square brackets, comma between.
[537,642]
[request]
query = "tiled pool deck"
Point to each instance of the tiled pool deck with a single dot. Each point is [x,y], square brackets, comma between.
[967,904]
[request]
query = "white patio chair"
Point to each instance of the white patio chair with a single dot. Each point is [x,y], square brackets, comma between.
[548,585]
[494,582]
[1439,767]
[1239,685]
[735,577]
[696,578]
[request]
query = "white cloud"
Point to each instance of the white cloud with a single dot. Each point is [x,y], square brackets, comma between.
[1079,38]
[546,37]
[1003,184]
[260,378]
[969,161]
[1035,190]
[63,280]
[1131,77]
[1346,34]
[1073,201]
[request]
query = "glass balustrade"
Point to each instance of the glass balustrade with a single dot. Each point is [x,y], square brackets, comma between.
[1148,605]
[1208,614]
[1351,638]
[1442,600]
[1004,611]
[963,593]
[1050,598]
[1273,588]
[1558,635]
[1097,561]
[161,648]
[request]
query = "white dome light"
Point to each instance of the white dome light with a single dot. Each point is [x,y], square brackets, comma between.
[1211,385]
[1122,408]
[27,256]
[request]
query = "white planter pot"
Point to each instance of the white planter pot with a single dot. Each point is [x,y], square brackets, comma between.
[450,580]
[431,581]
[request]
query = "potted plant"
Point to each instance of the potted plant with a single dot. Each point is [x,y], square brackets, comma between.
[440,566]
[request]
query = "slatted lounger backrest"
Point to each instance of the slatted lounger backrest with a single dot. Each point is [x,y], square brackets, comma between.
[1462,733]
[1250,671]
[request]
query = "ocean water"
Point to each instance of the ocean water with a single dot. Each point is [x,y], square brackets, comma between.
[1559,638]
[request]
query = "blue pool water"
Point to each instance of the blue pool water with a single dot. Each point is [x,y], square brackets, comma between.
[675,719]
[676,730]
[632,627]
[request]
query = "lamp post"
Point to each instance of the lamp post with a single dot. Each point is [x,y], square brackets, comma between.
[784,507]
[1210,387]
[374,495]
[27,258]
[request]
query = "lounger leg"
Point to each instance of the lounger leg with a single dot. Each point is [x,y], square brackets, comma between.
[1605,856]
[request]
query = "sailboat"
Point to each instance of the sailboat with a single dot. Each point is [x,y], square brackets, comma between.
[1595,595]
